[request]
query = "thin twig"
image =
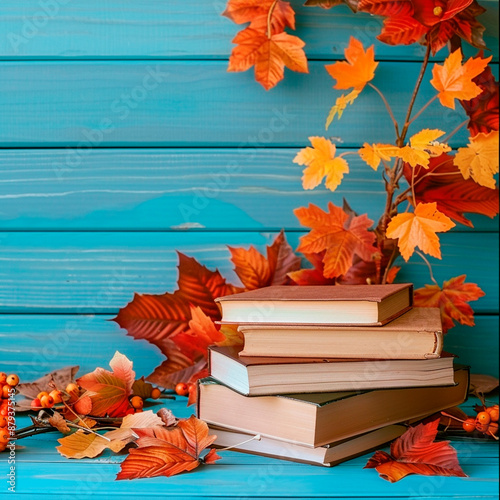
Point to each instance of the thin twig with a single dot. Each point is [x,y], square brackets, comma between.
[417,116]
[388,107]
[452,134]
[424,258]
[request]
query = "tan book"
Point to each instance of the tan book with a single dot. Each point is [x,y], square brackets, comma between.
[258,376]
[327,456]
[318,419]
[415,335]
[318,305]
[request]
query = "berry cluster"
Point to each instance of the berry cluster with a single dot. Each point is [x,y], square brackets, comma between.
[486,421]
[137,402]
[183,389]
[7,421]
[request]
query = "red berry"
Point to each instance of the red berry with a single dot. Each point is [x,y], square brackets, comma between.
[4,436]
[47,401]
[469,425]
[137,402]
[3,421]
[57,396]
[73,392]
[35,404]
[493,413]
[3,378]
[155,393]
[182,389]
[483,418]
[12,380]
[6,391]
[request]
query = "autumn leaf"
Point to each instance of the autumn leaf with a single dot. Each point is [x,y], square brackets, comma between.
[328,4]
[452,298]
[59,422]
[142,389]
[257,271]
[483,110]
[170,452]
[257,11]
[340,106]
[479,160]
[321,162]
[419,229]
[339,235]
[131,426]
[453,194]
[60,378]
[269,55]
[415,452]
[167,417]
[315,276]
[358,70]
[374,154]
[81,445]
[110,390]
[423,146]
[455,81]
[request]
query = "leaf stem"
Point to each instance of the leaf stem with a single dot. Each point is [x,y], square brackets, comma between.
[424,258]
[404,133]
[419,114]
[388,107]
[270,19]
[452,134]
[258,437]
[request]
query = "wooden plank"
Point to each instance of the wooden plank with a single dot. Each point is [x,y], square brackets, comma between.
[176,29]
[33,345]
[99,272]
[158,189]
[84,105]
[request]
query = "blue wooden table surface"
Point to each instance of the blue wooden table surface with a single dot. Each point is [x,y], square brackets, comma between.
[203,159]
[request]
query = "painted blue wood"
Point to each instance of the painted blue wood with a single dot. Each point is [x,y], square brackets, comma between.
[44,343]
[83,105]
[99,272]
[177,29]
[161,189]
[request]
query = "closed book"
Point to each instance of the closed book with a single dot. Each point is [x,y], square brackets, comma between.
[321,418]
[415,335]
[327,456]
[316,305]
[256,376]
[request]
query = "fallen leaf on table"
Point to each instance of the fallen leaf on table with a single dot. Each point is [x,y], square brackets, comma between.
[131,424]
[452,298]
[455,81]
[61,379]
[142,389]
[169,452]
[415,452]
[479,160]
[340,235]
[167,417]
[419,229]
[321,162]
[110,390]
[80,445]
[58,421]
[453,423]
[480,385]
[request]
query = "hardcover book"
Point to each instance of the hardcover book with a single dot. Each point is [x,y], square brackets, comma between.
[316,305]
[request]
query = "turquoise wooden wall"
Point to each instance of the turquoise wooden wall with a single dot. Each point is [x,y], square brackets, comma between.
[123,139]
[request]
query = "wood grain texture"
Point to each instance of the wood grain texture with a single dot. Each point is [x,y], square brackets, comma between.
[84,105]
[177,29]
[99,272]
[161,189]
[44,343]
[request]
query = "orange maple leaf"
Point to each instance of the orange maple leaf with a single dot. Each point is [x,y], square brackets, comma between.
[423,146]
[321,162]
[269,55]
[257,271]
[341,237]
[419,229]
[374,154]
[340,106]
[452,299]
[167,452]
[455,81]
[358,70]
[415,452]
[479,160]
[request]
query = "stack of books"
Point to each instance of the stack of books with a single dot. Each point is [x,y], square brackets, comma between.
[327,373]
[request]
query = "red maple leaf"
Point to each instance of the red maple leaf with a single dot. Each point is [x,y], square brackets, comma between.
[483,110]
[340,235]
[427,21]
[167,452]
[314,276]
[257,271]
[444,184]
[415,452]
[452,299]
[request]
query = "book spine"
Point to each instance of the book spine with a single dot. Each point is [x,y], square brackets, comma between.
[438,346]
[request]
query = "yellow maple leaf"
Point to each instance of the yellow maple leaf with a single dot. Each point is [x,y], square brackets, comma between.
[479,159]
[374,154]
[419,229]
[321,162]
[340,105]
[454,80]
[423,146]
[358,70]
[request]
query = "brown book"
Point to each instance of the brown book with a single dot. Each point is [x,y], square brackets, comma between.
[415,335]
[318,419]
[256,376]
[327,456]
[318,305]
